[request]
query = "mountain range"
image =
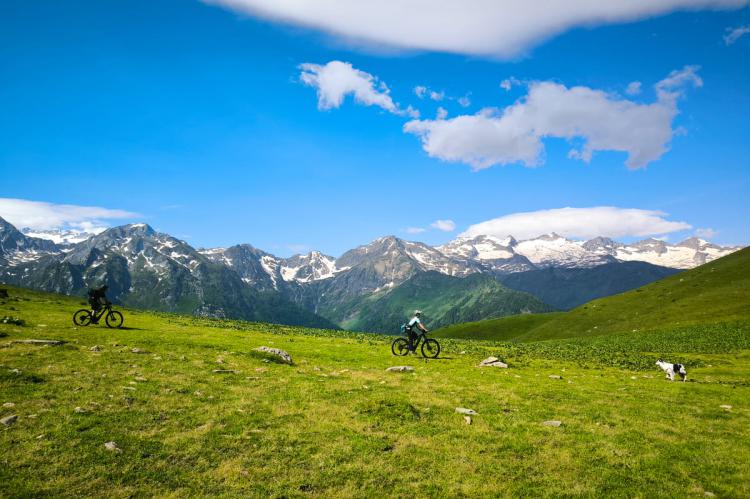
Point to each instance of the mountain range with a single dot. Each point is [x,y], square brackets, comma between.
[371,287]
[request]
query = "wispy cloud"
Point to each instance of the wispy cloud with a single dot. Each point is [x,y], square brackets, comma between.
[597,221]
[444,225]
[41,215]
[633,88]
[706,232]
[734,34]
[515,134]
[509,83]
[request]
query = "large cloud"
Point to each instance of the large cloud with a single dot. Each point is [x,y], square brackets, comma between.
[487,27]
[43,216]
[604,122]
[604,221]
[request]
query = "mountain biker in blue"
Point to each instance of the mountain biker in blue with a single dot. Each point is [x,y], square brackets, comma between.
[415,321]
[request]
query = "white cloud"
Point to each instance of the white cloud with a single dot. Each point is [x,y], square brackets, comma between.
[444,225]
[39,215]
[464,101]
[414,230]
[509,83]
[442,113]
[420,91]
[437,96]
[585,223]
[502,28]
[605,123]
[336,79]
[633,88]
[707,233]
[734,34]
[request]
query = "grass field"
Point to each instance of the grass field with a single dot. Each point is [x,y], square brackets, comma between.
[336,424]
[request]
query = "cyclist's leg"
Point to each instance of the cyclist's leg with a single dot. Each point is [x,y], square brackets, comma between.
[412,339]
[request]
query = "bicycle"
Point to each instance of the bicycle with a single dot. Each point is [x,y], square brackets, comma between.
[430,347]
[112,318]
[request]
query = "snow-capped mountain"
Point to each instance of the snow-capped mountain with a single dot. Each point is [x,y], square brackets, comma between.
[64,238]
[552,250]
[17,248]
[148,269]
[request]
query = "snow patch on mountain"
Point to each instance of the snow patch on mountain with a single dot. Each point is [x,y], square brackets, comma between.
[63,237]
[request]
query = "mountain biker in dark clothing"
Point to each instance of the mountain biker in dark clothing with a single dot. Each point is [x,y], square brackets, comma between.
[415,322]
[98,299]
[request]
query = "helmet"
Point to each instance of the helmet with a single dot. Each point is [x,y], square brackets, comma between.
[417,312]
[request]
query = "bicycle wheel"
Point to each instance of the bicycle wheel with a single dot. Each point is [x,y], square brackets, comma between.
[400,346]
[430,348]
[82,317]
[114,319]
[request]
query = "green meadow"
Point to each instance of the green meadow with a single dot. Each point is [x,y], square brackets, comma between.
[336,424]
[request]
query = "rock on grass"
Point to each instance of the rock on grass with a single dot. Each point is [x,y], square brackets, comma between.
[468,412]
[400,369]
[111,446]
[552,423]
[9,420]
[492,362]
[276,352]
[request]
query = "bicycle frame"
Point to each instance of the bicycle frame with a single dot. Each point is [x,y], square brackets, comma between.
[420,339]
[95,316]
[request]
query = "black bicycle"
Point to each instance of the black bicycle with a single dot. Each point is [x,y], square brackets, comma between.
[112,318]
[430,348]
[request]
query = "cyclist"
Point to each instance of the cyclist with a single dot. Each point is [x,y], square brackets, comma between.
[415,321]
[97,299]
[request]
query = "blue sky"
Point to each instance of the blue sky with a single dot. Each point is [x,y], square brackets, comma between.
[193,117]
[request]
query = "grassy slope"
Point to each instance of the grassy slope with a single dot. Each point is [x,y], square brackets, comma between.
[502,329]
[443,300]
[717,291]
[337,425]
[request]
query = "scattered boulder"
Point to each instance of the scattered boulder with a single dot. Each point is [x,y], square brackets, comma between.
[277,352]
[111,446]
[493,362]
[140,378]
[400,369]
[12,320]
[726,407]
[552,423]
[95,348]
[79,410]
[9,405]
[468,412]
[225,371]
[40,342]
[136,350]
[555,376]
[467,420]
[9,420]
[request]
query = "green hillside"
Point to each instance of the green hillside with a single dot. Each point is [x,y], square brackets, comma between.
[193,411]
[566,288]
[715,292]
[501,329]
[443,299]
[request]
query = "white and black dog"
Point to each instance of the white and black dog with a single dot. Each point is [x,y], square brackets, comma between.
[672,369]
